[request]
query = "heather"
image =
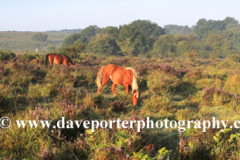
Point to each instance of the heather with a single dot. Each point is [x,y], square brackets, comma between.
[174,88]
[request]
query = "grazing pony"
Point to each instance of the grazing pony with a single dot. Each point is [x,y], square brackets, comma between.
[58,59]
[120,76]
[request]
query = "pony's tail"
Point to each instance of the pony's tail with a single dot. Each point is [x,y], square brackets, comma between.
[46,59]
[99,77]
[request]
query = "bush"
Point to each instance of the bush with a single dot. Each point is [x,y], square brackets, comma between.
[161,81]
[212,56]
[6,55]
[216,96]
[71,94]
[193,76]
[4,103]
[22,143]
[156,104]
[191,55]
[117,106]
[204,83]
[232,84]
[234,57]
[29,56]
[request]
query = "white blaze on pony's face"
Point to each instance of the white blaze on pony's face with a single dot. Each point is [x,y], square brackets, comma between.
[135,97]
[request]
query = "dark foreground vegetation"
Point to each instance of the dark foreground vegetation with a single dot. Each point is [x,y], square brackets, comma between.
[184,88]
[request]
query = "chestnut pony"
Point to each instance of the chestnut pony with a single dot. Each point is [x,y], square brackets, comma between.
[120,76]
[58,59]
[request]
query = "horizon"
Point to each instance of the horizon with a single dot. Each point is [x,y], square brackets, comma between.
[43,16]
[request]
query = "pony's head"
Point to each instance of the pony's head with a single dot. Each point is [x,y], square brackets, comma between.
[135,97]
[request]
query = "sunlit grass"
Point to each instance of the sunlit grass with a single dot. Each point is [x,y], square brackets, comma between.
[171,88]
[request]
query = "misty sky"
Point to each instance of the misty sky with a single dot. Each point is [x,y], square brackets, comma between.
[45,15]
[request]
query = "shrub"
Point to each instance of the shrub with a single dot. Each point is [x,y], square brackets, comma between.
[191,55]
[205,83]
[117,106]
[6,55]
[156,104]
[234,57]
[161,81]
[216,96]
[59,75]
[40,113]
[34,91]
[232,84]
[28,56]
[71,94]
[212,56]
[114,144]
[183,114]
[23,143]
[193,76]
[4,103]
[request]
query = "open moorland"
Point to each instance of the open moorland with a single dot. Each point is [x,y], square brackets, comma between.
[185,74]
[25,41]
[178,89]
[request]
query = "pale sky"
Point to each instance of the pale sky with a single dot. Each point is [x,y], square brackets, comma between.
[45,15]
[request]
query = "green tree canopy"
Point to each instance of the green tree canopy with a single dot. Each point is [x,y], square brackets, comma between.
[152,29]
[175,29]
[103,44]
[39,37]
[164,45]
[203,28]
[90,32]
[131,41]
[69,41]
[111,32]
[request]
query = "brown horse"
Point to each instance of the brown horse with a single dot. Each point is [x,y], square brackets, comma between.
[120,76]
[58,59]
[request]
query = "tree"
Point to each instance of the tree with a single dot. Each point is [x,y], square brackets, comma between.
[175,29]
[103,44]
[164,45]
[151,29]
[231,22]
[90,32]
[69,41]
[51,48]
[70,51]
[185,31]
[204,31]
[112,32]
[216,25]
[131,41]
[214,40]
[80,47]
[200,23]
[39,37]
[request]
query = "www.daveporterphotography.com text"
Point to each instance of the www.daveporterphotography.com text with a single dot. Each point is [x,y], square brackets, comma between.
[148,123]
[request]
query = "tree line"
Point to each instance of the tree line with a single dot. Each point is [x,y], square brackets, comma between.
[143,37]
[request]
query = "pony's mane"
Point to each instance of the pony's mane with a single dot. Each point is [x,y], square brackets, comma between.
[134,79]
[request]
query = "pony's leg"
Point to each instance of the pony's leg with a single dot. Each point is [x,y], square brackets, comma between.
[99,89]
[113,89]
[51,62]
[126,88]
[104,81]
[65,63]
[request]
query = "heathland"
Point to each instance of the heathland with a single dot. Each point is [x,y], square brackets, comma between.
[190,75]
